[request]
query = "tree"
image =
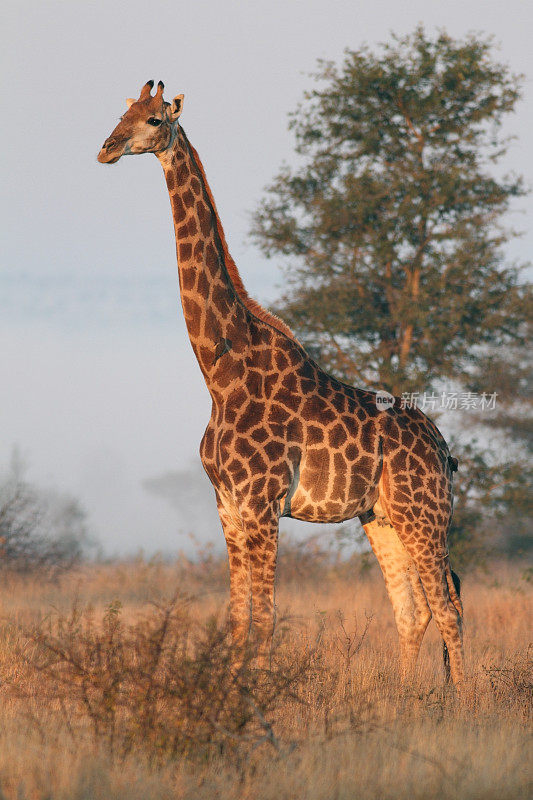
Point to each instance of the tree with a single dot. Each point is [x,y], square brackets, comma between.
[391,225]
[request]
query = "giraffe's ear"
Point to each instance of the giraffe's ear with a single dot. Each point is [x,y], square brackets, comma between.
[130,101]
[176,107]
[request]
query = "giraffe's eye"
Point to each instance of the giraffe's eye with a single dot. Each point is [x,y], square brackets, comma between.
[154,121]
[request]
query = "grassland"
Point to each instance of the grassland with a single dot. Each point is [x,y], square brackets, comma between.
[113,686]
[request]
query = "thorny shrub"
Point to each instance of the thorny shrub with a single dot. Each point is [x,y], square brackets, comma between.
[513,682]
[164,683]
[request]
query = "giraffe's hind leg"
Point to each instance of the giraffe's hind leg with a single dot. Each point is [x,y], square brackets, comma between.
[433,569]
[456,582]
[411,611]
[425,542]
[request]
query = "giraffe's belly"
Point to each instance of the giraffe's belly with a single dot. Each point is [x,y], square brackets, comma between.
[332,489]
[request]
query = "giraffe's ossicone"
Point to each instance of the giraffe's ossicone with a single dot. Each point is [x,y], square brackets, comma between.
[286,438]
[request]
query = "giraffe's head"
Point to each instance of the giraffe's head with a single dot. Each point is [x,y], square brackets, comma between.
[146,127]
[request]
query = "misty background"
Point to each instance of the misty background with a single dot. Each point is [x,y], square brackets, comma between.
[99,386]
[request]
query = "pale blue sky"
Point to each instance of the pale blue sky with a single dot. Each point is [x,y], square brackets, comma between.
[99,386]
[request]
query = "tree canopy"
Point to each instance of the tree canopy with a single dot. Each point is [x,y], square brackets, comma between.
[391,222]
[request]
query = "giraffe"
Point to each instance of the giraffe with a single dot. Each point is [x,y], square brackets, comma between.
[287,439]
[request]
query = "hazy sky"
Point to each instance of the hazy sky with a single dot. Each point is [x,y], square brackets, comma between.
[98,383]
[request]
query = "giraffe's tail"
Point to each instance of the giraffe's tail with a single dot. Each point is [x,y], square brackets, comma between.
[454,589]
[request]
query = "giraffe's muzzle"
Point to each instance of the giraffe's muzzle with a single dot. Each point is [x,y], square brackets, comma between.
[111,150]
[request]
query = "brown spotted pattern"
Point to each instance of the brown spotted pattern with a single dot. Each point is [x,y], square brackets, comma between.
[285,437]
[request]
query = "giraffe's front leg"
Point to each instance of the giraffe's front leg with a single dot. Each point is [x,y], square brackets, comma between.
[239,571]
[262,541]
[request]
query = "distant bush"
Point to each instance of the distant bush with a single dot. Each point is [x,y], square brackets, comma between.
[39,530]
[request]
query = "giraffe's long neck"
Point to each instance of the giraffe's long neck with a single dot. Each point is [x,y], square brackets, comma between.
[215,319]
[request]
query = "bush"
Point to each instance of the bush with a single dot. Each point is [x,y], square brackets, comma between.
[38,530]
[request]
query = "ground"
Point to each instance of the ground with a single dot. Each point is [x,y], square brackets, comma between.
[130,694]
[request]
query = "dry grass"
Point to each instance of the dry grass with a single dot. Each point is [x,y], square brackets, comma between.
[113,687]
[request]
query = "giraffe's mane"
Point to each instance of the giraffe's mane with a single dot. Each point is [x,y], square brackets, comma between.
[252,305]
